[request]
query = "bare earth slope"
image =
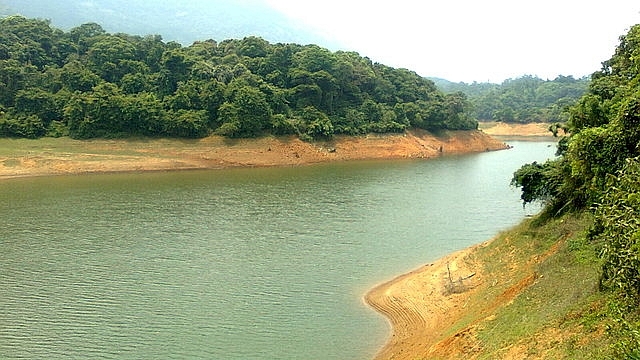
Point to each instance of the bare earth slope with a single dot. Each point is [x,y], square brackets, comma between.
[21,157]
[422,305]
[510,130]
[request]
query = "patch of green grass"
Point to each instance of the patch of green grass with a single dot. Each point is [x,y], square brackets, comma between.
[10,148]
[21,147]
[560,315]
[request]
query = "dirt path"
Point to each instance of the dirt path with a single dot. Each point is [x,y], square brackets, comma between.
[21,157]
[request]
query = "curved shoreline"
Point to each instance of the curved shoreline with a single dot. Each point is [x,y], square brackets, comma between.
[422,304]
[60,156]
[416,303]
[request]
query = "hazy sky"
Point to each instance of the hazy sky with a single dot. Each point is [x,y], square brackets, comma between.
[474,40]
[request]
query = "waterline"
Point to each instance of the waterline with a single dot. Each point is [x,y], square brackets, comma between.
[234,264]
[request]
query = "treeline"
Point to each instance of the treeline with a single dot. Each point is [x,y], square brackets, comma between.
[88,83]
[598,171]
[522,100]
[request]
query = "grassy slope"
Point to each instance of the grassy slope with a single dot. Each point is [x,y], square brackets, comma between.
[539,297]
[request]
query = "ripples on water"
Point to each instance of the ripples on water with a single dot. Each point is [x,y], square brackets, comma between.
[238,264]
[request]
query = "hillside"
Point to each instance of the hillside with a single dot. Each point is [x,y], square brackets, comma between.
[526,99]
[181,21]
[88,83]
[530,293]
[563,285]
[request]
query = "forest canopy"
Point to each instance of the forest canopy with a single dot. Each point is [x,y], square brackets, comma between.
[88,83]
[526,99]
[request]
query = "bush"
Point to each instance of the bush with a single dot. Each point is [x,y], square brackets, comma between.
[618,227]
[23,126]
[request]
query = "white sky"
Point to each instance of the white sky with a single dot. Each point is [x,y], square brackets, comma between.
[473,40]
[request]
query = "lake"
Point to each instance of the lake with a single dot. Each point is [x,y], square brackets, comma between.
[265,263]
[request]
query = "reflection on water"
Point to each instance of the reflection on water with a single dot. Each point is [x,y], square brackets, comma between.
[237,264]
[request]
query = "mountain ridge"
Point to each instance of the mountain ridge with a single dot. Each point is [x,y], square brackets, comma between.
[180,22]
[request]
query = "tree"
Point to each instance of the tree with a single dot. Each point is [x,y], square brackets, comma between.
[245,114]
[175,67]
[94,81]
[187,123]
[523,100]
[83,34]
[457,116]
[14,76]
[27,126]
[30,41]
[253,47]
[76,77]
[599,172]
[317,123]
[42,104]
[538,182]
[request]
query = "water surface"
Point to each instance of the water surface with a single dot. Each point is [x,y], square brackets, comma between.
[234,264]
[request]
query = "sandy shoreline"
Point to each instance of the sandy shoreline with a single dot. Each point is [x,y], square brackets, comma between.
[422,304]
[50,156]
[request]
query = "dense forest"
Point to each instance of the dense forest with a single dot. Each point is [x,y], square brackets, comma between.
[88,83]
[598,172]
[522,100]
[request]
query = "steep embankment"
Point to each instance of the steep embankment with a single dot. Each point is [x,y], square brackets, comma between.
[54,156]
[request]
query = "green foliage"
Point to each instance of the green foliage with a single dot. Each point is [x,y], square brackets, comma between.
[246,112]
[618,228]
[590,111]
[624,327]
[22,126]
[457,114]
[38,102]
[75,76]
[538,181]
[521,100]
[599,171]
[106,112]
[282,125]
[100,84]
[317,125]
[604,132]
[186,123]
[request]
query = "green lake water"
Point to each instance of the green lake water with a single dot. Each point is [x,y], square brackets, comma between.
[268,263]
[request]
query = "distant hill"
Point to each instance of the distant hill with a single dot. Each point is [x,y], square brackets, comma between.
[448,86]
[181,21]
[521,100]
[471,90]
